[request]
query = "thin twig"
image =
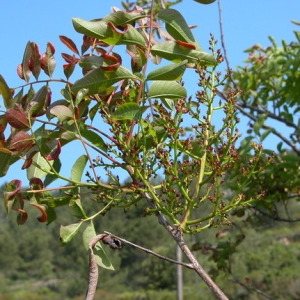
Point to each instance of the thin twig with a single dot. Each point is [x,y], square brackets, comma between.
[274,131]
[270,115]
[189,266]
[251,288]
[277,218]
[222,35]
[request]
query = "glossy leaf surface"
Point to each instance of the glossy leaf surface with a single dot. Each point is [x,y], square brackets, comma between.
[172,51]
[127,111]
[101,30]
[99,80]
[5,92]
[78,168]
[67,233]
[166,89]
[170,72]
[177,26]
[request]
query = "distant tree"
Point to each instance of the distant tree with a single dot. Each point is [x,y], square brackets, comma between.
[271,102]
[137,121]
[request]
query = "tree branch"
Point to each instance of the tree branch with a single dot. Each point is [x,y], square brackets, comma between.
[222,36]
[251,288]
[178,237]
[189,266]
[270,115]
[276,217]
[274,131]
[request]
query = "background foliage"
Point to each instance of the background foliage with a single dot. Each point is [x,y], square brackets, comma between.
[268,259]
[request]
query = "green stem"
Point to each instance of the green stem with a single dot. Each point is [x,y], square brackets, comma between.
[150,190]
[206,133]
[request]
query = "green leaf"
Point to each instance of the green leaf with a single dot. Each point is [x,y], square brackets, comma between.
[100,255]
[62,112]
[172,51]
[138,57]
[35,62]
[168,103]
[26,72]
[67,233]
[177,27]
[77,209]
[80,95]
[39,102]
[259,123]
[40,167]
[52,177]
[266,133]
[127,111]
[295,22]
[120,18]
[170,72]
[6,93]
[101,30]
[157,134]
[91,62]
[166,89]
[78,168]
[51,215]
[5,162]
[99,80]
[94,138]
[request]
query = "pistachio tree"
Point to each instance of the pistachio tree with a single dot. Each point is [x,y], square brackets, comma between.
[130,115]
[270,102]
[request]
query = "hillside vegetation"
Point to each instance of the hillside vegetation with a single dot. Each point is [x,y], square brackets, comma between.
[35,266]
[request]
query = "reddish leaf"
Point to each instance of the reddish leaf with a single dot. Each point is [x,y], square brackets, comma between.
[138,57]
[91,42]
[3,123]
[30,63]
[69,43]
[43,217]
[13,187]
[70,58]
[222,233]
[55,150]
[50,50]
[119,30]
[34,63]
[69,69]
[186,45]
[28,161]
[87,42]
[36,183]
[26,72]
[22,216]
[21,141]
[48,62]
[20,71]
[17,118]
[112,62]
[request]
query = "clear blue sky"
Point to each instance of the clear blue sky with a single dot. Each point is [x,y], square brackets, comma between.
[245,23]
